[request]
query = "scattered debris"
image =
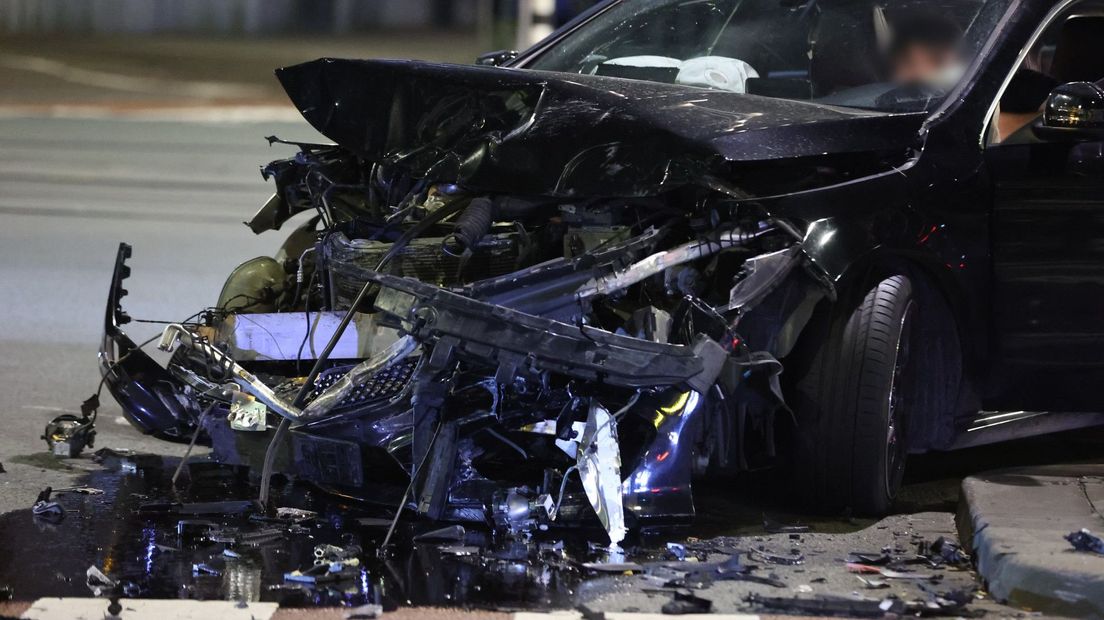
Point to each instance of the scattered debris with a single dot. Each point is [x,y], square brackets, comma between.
[873,584]
[1084,540]
[227,507]
[67,435]
[824,606]
[943,551]
[201,568]
[98,582]
[762,555]
[296,514]
[889,573]
[687,603]
[81,490]
[451,533]
[613,567]
[364,612]
[773,527]
[43,507]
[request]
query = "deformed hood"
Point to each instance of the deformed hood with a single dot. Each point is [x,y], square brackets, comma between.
[541,133]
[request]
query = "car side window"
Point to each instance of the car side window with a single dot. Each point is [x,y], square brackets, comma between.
[1067,50]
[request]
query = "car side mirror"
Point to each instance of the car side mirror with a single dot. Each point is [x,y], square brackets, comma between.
[1074,112]
[497,58]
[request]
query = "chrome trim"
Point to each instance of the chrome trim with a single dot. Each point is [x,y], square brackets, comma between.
[1047,21]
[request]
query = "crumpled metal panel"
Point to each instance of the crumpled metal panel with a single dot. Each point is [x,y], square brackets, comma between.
[540,133]
[599,463]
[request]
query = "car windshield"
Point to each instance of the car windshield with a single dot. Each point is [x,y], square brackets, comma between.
[893,55]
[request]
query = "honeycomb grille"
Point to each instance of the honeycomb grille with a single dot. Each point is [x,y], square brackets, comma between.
[382,385]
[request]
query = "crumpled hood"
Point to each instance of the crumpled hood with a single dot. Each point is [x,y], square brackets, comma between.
[540,133]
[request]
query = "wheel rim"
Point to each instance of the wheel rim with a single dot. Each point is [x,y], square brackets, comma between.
[895,445]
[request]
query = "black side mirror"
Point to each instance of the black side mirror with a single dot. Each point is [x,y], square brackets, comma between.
[1074,112]
[497,58]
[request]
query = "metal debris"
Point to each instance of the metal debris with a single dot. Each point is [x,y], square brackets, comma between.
[1084,540]
[599,463]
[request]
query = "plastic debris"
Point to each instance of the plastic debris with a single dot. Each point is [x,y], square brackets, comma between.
[774,527]
[613,567]
[677,550]
[854,608]
[295,514]
[81,490]
[873,584]
[687,603]
[98,582]
[1084,540]
[43,507]
[762,555]
[451,533]
[200,568]
[943,551]
[364,612]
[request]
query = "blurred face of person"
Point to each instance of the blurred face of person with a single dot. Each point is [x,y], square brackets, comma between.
[920,62]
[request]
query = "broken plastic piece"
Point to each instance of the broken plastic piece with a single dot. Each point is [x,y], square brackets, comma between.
[1084,540]
[98,582]
[364,612]
[46,509]
[687,603]
[450,534]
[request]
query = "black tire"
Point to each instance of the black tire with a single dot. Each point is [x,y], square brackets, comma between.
[853,404]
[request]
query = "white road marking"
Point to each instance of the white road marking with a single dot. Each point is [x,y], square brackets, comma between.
[130,83]
[162,609]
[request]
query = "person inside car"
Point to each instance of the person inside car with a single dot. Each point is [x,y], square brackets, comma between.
[923,49]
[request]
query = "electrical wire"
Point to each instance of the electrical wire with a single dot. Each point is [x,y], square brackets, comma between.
[301,397]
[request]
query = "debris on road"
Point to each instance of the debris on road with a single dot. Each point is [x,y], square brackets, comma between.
[822,606]
[98,582]
[687,603]
[46,509]
[67,435]
[1084,540]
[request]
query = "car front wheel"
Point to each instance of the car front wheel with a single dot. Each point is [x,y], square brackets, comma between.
[855,404]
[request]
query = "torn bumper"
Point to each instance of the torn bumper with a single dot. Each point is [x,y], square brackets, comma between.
[151,399]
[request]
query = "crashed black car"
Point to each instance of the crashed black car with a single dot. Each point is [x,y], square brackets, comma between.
[677,238]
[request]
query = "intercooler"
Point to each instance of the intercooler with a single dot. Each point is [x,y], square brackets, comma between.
[495,255]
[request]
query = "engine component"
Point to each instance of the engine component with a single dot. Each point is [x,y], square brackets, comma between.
[67,435]
[496,254]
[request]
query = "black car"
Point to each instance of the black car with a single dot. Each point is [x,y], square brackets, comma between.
[677,238]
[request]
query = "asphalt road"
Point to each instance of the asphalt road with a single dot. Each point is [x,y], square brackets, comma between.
[70,191]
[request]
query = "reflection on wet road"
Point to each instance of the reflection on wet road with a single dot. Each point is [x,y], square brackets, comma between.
[156,541]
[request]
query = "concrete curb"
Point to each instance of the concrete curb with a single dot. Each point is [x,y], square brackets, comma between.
[1015,521]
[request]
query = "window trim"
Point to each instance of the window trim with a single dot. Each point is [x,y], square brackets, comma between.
[991,113]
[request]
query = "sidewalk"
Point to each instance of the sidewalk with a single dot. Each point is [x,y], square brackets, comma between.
[1016,520]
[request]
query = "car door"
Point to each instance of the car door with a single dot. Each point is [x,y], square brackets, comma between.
[1047,233]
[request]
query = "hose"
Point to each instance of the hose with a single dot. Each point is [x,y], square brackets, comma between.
[472,225]
[301,397]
